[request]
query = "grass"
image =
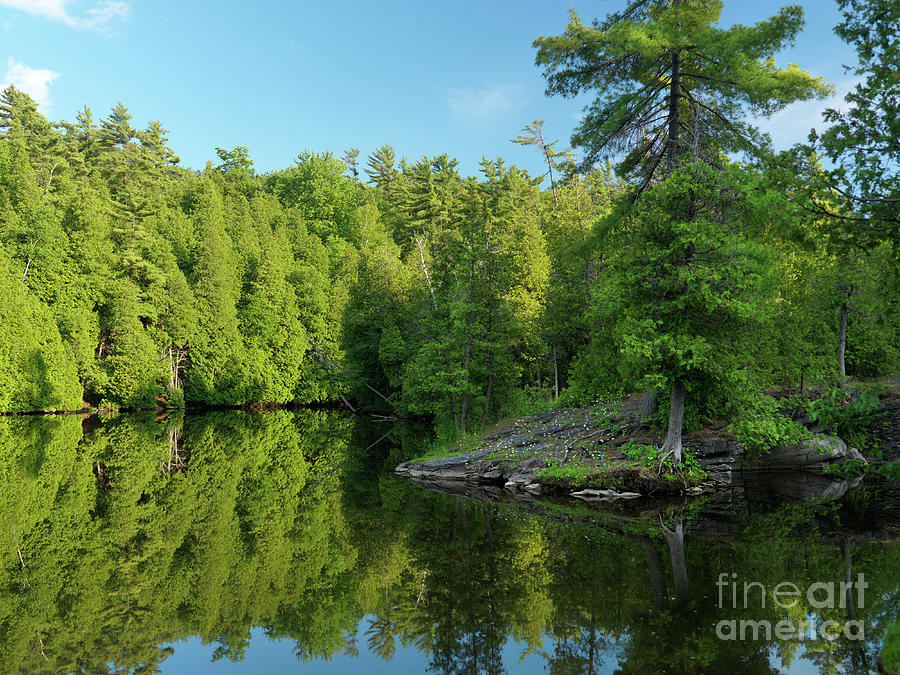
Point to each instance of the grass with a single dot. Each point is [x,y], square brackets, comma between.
[579,474]
[647,456]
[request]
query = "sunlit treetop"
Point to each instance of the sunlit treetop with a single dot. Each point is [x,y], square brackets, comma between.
[670,81]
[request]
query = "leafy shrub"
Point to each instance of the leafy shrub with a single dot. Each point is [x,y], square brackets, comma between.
[761,425]
[891,471]
[639,451]
[579,475]
[846,418]
[529,401]
[648,456]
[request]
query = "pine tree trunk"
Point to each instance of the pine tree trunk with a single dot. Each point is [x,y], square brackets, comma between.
[425,272]
[490,382]
[455,414]
[676,420]
[674,109]
[550,167]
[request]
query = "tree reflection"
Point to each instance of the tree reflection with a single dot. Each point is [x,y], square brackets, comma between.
[280,522]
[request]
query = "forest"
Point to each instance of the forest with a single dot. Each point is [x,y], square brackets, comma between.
[669,249]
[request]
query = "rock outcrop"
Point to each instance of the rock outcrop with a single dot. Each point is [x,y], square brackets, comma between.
[511,461]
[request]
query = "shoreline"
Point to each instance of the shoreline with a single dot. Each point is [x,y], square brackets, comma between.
[583,454]
[258,406]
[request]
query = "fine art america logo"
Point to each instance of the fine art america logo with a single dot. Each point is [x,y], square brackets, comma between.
[846,595]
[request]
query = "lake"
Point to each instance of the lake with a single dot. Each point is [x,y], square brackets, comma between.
[234,542]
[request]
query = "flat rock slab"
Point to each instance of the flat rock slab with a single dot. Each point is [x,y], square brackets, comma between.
[456,460]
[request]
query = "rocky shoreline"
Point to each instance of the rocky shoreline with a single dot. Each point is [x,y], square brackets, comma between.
[514,462]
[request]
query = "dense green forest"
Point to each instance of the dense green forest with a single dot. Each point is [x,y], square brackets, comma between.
[703,266]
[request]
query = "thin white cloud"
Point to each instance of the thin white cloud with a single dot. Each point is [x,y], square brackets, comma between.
[792,125]
[33,81]
[102,16]
[105,13]
[484,103]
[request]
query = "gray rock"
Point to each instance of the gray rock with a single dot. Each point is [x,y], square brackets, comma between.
[721,477]
[811,454]
[444,462]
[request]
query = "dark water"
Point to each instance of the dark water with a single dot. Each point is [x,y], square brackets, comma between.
[279,542]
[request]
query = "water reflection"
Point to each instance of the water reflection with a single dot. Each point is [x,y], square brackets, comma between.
[127,536]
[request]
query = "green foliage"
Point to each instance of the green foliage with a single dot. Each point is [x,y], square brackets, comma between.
[685,286]
[648,456]
[890,470]
[152,284]
[36,368]
[530,401]
[576,474]
[644,453]
[837,411]
[890,650]
[862,140]
[760,424]
[132,282]
[655,54]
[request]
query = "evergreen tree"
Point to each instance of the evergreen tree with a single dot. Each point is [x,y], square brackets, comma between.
[36,368]
[669,81]
[127,352]
[217,372]
[864,141]
[24,126]
[381,170]
[686,287]
[138,283]
[351,159]
[664,69]
[533,134]
[154,143]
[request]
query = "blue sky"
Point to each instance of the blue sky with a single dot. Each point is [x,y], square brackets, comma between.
[282,76]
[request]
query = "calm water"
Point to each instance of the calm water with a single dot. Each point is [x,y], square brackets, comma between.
[280,542]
